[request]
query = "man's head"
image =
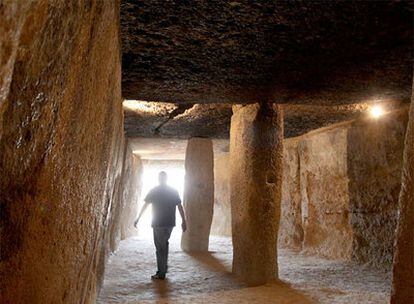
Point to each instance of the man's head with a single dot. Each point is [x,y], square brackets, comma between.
[162,178]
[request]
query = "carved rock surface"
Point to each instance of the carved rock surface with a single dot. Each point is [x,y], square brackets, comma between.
[166,120]
[256,155]
[290,228]
[61,147]
[222,210]
[131,192]
[331,52]
[198,194]
[403,270]
[340,190]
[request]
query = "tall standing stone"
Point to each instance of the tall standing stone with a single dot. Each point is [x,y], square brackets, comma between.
[256,154]
[403,270]
[198,194]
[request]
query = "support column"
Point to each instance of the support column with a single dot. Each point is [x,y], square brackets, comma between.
[403,268]
[198,194]
[256,154]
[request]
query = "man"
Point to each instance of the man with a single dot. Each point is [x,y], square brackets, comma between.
[164,199]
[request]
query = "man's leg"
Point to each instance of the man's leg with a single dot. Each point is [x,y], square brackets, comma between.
[158,242]
[168,234]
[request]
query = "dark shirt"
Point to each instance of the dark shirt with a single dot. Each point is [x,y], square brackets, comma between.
[163,199]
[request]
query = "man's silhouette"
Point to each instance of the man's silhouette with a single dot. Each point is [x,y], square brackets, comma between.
[164,199]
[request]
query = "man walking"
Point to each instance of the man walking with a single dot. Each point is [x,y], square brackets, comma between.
[164,199]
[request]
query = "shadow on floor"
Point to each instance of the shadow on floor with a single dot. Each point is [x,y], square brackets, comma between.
[222,284]
[163,288]
[275,292]
[208,260]
[193,278]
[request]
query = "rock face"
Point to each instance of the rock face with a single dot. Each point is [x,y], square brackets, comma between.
[340,190]
[349,177]
[324,194]
[169,120]
[61,147]
[235,51]
[374,161]
[198,194]
[403,270]
[222,210]
[290,228]
[132,186]
[256,151]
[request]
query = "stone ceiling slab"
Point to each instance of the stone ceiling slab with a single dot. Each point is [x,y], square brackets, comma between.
[305,52]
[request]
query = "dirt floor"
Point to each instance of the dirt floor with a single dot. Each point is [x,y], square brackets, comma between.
[206,278]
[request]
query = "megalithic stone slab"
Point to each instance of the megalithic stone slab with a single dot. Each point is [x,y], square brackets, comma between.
[256,154]
[198,194]
[403,268]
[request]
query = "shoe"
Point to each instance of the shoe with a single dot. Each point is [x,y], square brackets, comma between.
[158,276]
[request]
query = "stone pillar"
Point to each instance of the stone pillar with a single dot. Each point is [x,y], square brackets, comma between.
[256,154]
[198,194]
[403,268]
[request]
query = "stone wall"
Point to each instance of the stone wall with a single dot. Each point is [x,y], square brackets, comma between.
[375,155]
[291,230]
[349,177]
[340,190]
[61,146]
[324,193]
[132,186]
[403,264]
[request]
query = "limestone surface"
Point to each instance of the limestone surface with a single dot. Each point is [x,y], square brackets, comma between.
[168,120]
[291,229]
[256,154]
[349,180]
[340,191]
[303,279]
[131,192]
[235,51]
[375,160]
[198,194]
[403,270]
[61,146]
[222,210]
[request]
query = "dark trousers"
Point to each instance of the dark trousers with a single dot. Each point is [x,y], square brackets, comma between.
[161,237]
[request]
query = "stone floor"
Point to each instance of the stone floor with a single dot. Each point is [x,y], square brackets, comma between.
[206,278]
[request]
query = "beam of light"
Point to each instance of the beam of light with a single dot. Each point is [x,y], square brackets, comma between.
[376,111]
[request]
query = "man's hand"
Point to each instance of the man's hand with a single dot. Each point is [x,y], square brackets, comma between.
[140,213]
[184,223]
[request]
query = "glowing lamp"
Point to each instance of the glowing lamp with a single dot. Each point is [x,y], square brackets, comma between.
[376,111]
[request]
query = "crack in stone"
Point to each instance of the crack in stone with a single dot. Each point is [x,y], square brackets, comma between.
[181,108]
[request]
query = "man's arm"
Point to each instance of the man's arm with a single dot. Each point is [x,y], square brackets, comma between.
[184,223]
[140,213]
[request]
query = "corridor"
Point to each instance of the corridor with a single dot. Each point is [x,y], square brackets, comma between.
[206,278]
[286,128]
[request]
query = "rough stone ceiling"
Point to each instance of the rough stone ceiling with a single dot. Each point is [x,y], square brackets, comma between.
[327,60]
[174,148]
[319,52]
[169,149]
[152,119]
